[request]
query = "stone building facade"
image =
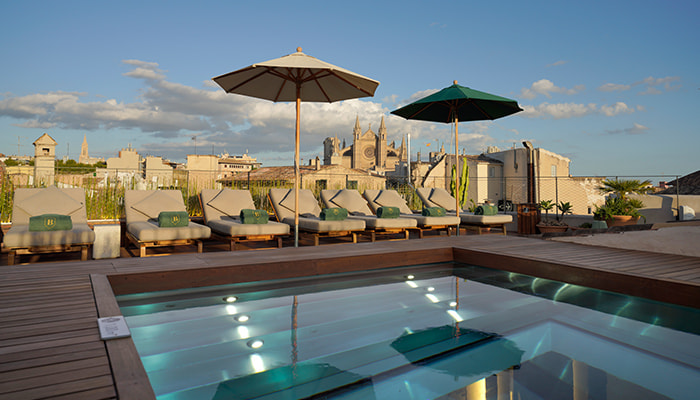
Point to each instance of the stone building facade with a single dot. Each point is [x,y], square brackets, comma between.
[368,151]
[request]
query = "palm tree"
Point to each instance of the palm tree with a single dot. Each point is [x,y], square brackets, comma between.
[622,187]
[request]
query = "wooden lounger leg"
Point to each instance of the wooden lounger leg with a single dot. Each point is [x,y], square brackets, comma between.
[279,242]
[315,240]
[11,256]
[200,246]
[142,250]
[420,234]
[373,235]
[83,253]
[354,237]
[405,234]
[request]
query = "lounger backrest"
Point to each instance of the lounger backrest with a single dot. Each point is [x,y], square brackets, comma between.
[144,205]
[283,203]
[424,194]
[218,204]
[50,200]
[387,198]
[349,199]
[439,197]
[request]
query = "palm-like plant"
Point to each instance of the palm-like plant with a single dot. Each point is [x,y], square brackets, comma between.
[620,203]
[547,206]
[623,187]
[565,208]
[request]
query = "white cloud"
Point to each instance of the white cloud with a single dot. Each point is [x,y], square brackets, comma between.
[617,108]
[558,110]
[651,85]
[636,129]
[34,124]
[545,87]
[614,87]
[574,110]
[557,63]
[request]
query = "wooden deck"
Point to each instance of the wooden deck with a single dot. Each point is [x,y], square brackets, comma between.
[49,340]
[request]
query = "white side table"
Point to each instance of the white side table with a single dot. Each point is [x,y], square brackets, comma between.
[107,241]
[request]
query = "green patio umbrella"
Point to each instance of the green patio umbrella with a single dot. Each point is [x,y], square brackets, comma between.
[458,103]
[297,77]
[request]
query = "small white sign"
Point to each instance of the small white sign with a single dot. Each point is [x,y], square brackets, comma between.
[113,328]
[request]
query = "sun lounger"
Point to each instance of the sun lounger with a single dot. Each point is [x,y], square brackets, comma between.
[432,197]
[65,204]
[310,221]
[143,208]
[222,209]
[358,208]
[391,198]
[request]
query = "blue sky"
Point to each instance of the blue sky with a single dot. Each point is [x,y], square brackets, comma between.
[612,85]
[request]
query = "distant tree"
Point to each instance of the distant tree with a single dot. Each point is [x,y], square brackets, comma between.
[72,167]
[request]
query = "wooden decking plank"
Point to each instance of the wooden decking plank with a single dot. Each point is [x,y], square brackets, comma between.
[102,393]
[46,370]
[43,328]
[51,360]
[64,387]
[49,380]
[49,352]
[42,341]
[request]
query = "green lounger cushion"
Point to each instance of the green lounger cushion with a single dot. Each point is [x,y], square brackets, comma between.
[249,216]
[173,219]
[50,222]
[486,209]
[388,212]
[334,214]
[434,212]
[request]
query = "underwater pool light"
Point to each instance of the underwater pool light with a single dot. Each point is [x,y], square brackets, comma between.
[230,299]
[255,343]
[242,318]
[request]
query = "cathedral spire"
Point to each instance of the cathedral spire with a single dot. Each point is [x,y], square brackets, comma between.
[357,131]
[382,129]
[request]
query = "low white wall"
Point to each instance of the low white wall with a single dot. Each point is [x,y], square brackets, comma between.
[664,208]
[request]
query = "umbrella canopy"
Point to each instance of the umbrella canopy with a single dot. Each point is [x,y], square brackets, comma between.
[297,77]
[458,103]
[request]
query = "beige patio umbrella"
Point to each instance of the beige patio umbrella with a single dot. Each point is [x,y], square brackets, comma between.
[297,77]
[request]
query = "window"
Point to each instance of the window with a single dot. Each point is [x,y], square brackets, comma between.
[492,172]
[352,185]
[554,170]
[321,184]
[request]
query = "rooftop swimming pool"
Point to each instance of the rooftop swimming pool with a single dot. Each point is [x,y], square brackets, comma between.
[425,332]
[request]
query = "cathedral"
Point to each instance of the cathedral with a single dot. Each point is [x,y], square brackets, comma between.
[368,151]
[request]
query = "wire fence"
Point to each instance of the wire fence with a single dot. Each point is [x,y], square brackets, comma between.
[104,189]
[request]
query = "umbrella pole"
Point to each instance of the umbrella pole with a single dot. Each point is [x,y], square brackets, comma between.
[457,169]
[296,173]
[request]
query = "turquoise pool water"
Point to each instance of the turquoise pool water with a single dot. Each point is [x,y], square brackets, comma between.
[426,332]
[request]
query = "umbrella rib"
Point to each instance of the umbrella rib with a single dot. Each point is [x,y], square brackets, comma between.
[246,81]
[332,72]
[473,103]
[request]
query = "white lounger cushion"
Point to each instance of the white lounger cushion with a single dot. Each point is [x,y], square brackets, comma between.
[29,202]
[20,236]
[391,198]
[148,231]
[222,210]
[142,208]
[353,201]
[441,198]
[308,205]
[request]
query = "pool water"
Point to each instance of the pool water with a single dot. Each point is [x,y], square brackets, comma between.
[426,332]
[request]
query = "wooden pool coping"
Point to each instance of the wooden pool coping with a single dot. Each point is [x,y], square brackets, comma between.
[674,279]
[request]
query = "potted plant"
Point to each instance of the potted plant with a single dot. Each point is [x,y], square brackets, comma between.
[551,226]
[618,208]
